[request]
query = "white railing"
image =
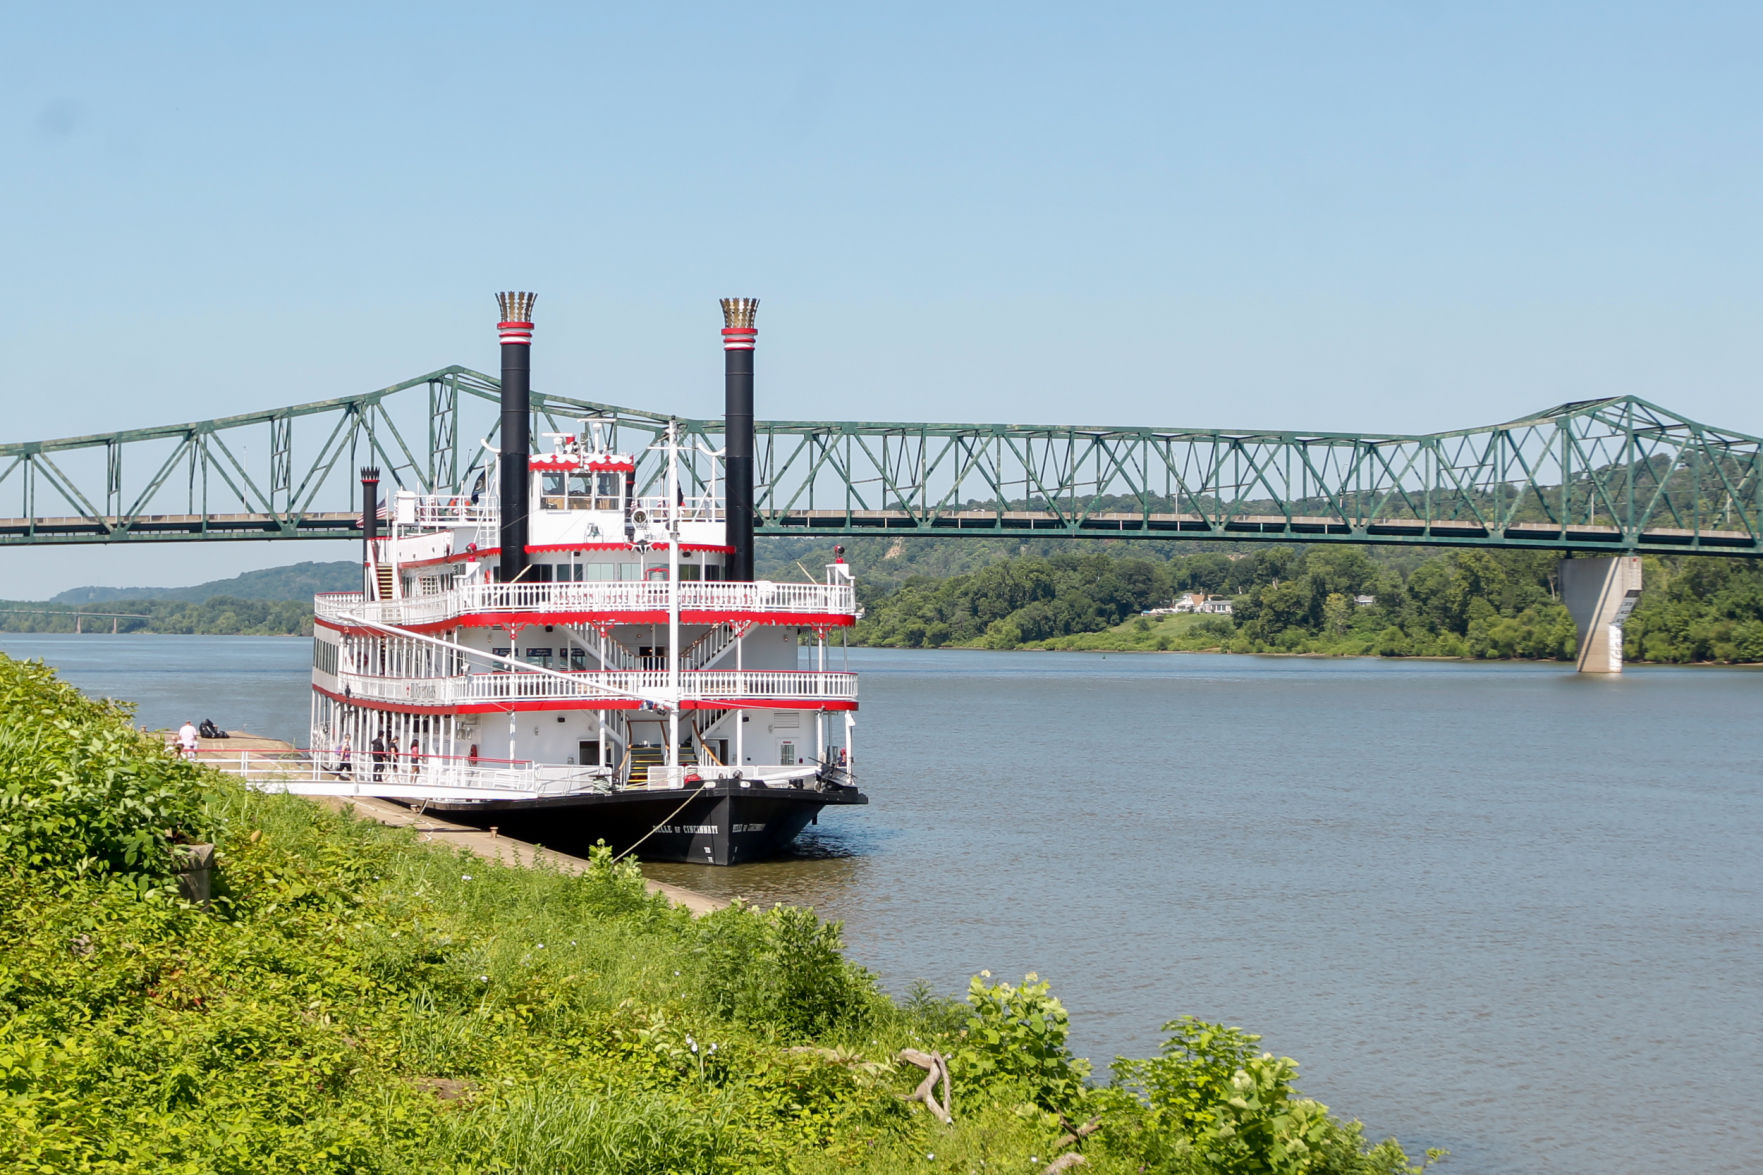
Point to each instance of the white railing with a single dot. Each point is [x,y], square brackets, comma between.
[699,509]
[703,652]
[451,510]
[784,685]
[454,510]
[815,599]
[439,778]
[428,777]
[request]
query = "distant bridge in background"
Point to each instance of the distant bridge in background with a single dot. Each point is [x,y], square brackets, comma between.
[1612,476]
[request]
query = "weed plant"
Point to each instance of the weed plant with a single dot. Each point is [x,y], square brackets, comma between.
[353,1001]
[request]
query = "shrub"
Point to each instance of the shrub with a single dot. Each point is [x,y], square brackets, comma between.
[80,792]
[1015,1044]
[780,969]
[1215,1103]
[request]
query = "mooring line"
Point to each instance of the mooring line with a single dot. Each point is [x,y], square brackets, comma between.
[657,828]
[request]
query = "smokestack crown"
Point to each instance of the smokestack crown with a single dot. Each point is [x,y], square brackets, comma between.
[738,331]
[517,316]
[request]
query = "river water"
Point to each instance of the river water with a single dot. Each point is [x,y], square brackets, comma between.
[1497,908]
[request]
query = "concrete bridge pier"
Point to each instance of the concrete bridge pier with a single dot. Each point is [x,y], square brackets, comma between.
[1600,593]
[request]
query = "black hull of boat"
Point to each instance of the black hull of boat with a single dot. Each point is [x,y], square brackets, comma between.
[722,825]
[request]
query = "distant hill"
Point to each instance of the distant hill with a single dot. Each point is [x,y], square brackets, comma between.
[299,581]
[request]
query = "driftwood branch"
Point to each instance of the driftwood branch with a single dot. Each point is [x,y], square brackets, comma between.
[1064,1162]
[1074,1134]
[935,1069]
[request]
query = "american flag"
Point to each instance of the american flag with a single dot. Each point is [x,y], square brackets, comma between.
[382,513]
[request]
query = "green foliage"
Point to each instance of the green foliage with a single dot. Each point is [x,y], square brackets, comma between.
[80,791]
[293,581]
[1387,602]
[216,616]
[781,970]
[1015,1044]
[1211,1102]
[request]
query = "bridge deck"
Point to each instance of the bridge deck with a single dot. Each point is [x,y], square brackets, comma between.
[1041,523]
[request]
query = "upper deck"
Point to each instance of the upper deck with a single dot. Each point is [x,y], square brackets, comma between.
[470,605]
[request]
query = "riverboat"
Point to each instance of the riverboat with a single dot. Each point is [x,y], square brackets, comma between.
[558,651]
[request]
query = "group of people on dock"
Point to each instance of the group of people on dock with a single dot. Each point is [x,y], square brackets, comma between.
[385,755]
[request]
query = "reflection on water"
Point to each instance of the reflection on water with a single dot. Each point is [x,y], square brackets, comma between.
[1498,908]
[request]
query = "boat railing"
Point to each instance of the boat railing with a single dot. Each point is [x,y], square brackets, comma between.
[813,599]
[615,685]
[305,772]
[702,508]
[452,510]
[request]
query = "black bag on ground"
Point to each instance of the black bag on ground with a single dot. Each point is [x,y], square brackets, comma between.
[209,730]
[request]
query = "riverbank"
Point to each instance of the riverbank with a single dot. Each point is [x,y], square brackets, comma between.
[431,829]
[354,998]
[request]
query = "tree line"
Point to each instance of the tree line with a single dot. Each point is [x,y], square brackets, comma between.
[217,616]
[1325,599]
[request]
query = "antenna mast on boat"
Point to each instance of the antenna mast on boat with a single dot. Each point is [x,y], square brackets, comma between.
[672,507]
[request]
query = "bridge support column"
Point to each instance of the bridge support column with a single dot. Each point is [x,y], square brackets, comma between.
[1599,594]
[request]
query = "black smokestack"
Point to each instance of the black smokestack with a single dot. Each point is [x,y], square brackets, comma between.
[516,330]
[370,524]
[738,335]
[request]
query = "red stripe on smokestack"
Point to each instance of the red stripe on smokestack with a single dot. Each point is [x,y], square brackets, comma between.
[739,338]
[515,332]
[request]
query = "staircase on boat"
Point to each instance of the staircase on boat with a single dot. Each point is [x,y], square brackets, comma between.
[643,756]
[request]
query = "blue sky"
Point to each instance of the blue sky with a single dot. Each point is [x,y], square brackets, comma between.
[1370,216]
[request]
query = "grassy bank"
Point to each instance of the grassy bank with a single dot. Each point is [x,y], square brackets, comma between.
[352,1001]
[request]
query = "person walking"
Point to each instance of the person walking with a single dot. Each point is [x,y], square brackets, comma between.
[379,755]
[392,750]
[345,769]
[415,757]
[188,739]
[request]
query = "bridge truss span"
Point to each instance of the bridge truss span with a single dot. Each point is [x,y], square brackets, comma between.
[1616,475]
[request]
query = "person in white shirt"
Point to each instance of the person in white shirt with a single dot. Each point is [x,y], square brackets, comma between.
[188,739]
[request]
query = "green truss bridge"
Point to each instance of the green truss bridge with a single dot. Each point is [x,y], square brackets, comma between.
[1616,476]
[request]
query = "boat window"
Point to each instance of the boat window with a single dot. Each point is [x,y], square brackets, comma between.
[539,656]
[551,487]
[581,491]
[656,573]
[578,660]
[786,753]
[607,496]
[688,572]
